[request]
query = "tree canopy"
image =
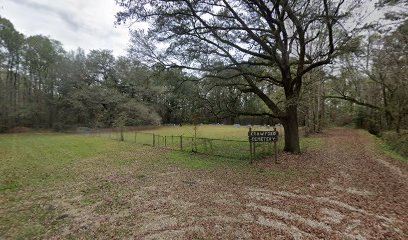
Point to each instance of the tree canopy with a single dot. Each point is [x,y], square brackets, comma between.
[261,42]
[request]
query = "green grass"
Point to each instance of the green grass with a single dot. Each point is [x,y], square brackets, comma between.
[197,162]
[211,140]
[205,131]
[208,131]
[310,143]
[395,145]
[28,160]
[38,169]
[391,144]
[389,151]
[203,162]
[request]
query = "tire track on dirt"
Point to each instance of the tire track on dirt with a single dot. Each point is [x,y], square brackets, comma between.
[333,212]
[394,169]
[342,192]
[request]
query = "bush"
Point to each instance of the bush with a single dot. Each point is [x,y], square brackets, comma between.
[19,130]
[374,129]
[397,142]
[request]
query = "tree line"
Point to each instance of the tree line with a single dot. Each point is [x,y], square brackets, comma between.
[248,62]
[44,86]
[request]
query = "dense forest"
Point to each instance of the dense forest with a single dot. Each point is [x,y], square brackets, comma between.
[336,77]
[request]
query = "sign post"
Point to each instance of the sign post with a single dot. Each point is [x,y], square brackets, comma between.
[250,146]
[275,145]
[262,136]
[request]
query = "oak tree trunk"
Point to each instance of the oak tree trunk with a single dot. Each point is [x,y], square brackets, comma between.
[291,128]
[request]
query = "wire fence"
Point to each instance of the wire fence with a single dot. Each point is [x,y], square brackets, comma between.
[228,148]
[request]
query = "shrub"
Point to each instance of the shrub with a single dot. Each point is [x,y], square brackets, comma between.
[19,130]
[397,142]
[374,129]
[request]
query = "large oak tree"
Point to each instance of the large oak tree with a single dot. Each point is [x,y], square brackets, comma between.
[282,39]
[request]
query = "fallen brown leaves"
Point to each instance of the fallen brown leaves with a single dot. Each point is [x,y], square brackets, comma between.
[344,190]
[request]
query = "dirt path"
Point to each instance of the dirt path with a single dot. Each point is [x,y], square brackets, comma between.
[345,190]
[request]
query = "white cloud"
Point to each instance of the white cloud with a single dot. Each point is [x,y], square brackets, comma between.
[88,24]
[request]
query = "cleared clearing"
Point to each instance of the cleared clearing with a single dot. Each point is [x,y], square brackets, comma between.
[62,186]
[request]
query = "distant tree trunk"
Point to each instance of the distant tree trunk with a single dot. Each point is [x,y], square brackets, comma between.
[309,116]
[168,115]
[318,106]
[398,125]
[388,117]
[313,105]
[10,89]
[322,108]
[16,92]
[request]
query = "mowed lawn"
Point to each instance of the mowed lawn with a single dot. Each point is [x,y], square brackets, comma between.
[35,169]
[50,181]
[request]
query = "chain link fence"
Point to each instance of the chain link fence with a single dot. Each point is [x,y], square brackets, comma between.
[228,148]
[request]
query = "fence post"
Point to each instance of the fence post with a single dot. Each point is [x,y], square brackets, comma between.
[250,147]
[195,145]
[276,152]
[154,140]
[135,136]
[165,141]
[195,138]
[181,142]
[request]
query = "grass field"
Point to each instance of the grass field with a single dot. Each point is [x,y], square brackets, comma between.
[45,179]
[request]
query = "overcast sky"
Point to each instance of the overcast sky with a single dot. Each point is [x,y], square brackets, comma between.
[88,24]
